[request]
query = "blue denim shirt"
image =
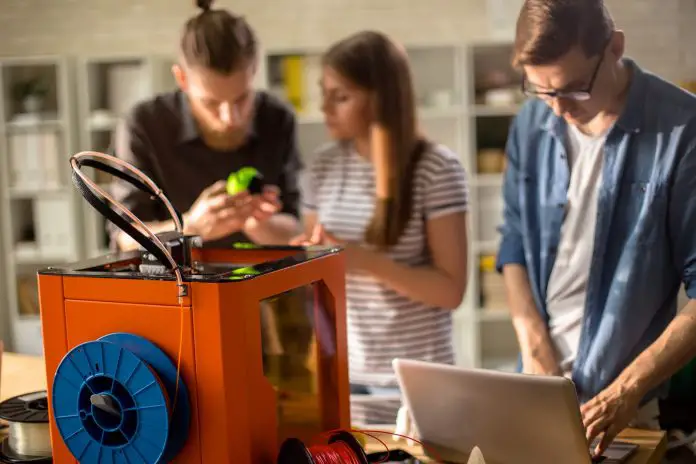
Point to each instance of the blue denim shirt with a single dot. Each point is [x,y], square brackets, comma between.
[645,239]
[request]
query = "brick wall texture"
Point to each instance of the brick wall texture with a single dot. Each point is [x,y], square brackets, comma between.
[661,33]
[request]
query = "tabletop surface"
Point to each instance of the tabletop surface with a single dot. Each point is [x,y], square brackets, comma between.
[21,374]
[652,446]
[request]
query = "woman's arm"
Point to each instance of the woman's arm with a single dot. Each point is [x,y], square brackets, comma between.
[442,283]
[308,235]
[309,220]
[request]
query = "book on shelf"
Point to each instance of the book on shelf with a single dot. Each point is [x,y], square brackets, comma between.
[295,79]
[492,296]
[54,233]
[28,296]
[34,160]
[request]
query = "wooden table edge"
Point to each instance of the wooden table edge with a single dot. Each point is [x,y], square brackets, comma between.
[652,443]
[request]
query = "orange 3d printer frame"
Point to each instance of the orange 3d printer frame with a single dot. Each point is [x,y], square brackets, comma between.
[203,356]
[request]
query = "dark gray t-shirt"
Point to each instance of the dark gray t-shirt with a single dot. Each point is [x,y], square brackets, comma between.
[161,138]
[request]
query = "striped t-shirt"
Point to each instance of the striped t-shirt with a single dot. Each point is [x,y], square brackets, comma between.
[383,324]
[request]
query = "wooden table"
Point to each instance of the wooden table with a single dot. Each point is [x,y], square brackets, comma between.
[653,446]
[23,374]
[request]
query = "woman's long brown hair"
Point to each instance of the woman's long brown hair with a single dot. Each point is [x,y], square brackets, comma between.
[371,61]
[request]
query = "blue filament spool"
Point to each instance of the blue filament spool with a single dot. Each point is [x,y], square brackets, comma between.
[111,402]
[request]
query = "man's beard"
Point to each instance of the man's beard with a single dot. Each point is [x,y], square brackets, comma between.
[225,139]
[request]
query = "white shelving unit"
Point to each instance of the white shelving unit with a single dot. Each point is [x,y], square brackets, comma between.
[40,216]
[494,97]
[110,86]
[450,80]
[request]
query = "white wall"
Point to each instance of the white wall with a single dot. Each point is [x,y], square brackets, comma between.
[660,32]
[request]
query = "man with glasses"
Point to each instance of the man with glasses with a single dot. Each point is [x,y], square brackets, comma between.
[190,140]
[600,216]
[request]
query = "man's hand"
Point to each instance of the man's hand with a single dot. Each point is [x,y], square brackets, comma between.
[216,214]
[264,206]
[610,412]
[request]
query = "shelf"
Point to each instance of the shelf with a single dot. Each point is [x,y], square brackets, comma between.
[494,110]
[28,193]
[29,255]
[487,246]
[487,180]
[32,92]
[424,113]
[30,124]
[435,75]
[294,75]
[114,84]
[492,315]
[500,364]
[316,118]
[27,336]
[111,86]
[105,124]
[39,224]
[498,341]
[441,113]
[494,93]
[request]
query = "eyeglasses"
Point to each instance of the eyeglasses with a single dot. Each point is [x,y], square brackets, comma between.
[577,95]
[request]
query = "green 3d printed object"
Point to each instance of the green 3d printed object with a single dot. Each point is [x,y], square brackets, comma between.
[246,178]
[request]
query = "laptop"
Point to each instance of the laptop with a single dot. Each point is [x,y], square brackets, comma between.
[512,418]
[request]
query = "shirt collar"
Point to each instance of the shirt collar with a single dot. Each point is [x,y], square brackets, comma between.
[631,119]
[189,130]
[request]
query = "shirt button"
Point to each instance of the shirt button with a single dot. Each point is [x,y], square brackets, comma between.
[561,205]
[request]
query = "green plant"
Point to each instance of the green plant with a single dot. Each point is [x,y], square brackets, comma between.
[35,87]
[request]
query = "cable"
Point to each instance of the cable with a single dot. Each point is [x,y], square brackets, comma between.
[76,161]
[334,453]
[79,159]
[342,448]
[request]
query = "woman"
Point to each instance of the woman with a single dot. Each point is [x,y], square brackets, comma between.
[398,203]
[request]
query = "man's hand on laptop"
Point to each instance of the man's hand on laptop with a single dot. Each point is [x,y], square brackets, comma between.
[610,412]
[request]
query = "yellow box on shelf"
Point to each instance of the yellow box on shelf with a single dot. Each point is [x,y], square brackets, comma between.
[487,263]
[293,72]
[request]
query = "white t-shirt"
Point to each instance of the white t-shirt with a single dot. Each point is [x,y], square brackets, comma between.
[567,288]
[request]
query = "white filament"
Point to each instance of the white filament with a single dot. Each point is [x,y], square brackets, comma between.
[30,439]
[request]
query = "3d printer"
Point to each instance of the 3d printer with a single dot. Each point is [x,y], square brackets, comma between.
[185,354]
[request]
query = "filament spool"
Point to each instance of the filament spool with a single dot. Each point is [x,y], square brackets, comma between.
[113,398]
[29,438]
[293,451]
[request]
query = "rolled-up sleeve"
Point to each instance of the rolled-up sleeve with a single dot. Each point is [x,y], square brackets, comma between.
[511,249]
[682,219]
